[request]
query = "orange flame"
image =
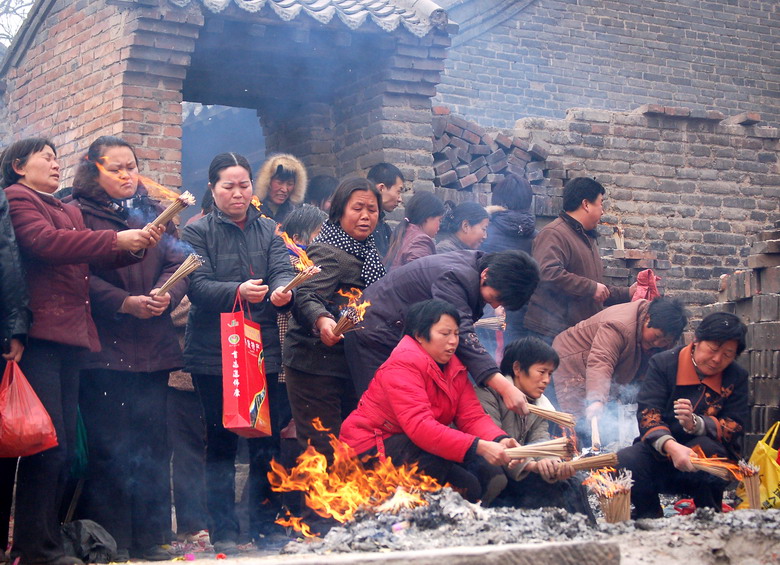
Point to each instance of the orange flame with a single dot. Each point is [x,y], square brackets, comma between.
[303,259]
[296,524]
[700,458]
[340,490]
[354,294]
[603,484]
[317,424]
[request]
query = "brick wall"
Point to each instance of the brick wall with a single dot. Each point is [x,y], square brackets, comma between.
[616,55]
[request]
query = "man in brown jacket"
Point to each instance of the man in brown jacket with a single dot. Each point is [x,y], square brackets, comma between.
[572,286]
[610,350]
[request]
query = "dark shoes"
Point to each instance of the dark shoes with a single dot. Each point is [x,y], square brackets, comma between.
[63,560]
[154,553]
[228,547]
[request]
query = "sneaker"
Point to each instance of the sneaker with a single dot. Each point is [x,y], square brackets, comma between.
[200,538]
[154,553]
[228,547]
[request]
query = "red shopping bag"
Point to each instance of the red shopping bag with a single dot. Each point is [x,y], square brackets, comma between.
[25,425]
[245,408]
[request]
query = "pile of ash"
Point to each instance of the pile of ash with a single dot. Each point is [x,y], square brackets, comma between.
[449,521]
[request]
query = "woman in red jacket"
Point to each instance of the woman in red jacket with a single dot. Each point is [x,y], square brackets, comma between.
[56,250]
[415,397]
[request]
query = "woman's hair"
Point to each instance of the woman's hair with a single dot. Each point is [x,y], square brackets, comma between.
[469,212]
[420,207]
[86,180]
[303,222]
[513,193]
[344,191]
[527,351]
[422,315]
[282,173]
[18,153]
[513,274]
[225,161]
[207,202]
[320,189]
[668,315]
[721,327]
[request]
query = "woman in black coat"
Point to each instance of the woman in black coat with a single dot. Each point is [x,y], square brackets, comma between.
[241,254]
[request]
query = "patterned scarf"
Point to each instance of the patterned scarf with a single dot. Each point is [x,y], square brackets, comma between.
[372,269]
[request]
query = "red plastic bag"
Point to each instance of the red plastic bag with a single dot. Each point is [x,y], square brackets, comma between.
[646,286]
[25,425]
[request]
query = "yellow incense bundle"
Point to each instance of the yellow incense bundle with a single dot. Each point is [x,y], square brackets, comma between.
[179,203]
[613,493]
[595,462]
[492,323]
[562,447]
[752,481]
[192,262]
[563,419]
[302,277]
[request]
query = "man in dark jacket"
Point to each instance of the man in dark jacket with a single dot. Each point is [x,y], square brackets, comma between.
[572,285]
[466,279]
[389,181]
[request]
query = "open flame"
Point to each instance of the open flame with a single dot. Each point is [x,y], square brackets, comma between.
[718,466]
[340,490]
[605,484]
[353,313]
[303,259]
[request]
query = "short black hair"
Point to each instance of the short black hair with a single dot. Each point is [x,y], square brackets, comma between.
[340,198]
[527,351]
[668,315]
[320,189]
[18,153]
[579,189]
[422,315]
[283,174]
[721,327]
[207,202]
[303,222]
[469,212]
[513,193]
[385,173]
[513,273]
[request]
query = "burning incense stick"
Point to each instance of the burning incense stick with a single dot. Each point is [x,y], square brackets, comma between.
[752,482]
[613,492]
[179,203]
[717,466]
[304,265]
[353,313]
[561,418]
[302,277]
[562,447]
[492,323]
[192,262]
[595,436]
[595,462]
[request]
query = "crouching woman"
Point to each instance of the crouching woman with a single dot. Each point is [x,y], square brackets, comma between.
[421,408]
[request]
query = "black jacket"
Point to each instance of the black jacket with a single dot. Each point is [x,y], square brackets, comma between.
[382,235]
[510,229]
[231,256]
[14,313]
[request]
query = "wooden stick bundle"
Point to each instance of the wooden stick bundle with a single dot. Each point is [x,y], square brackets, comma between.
[302,277]
[350,317]
[613,493]
[561,418]
[180,203]
[491,323]
[752,481]
[595,462]
[192,262]
[616,508]
[562,447]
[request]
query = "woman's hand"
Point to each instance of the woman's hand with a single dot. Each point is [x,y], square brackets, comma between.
[325,326]
[158,303]
[137,306]
[683,411]
[15,350]
[565,471]
[279,298]
[253,290]
[548,469]
[493,452]
[136,240]
[680,455]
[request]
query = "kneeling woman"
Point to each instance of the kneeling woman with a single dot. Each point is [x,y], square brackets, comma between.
[692,396]
[415,397]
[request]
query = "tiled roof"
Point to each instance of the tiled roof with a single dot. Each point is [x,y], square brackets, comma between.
[417,16]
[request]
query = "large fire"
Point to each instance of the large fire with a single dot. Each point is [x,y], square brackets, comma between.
[349,484]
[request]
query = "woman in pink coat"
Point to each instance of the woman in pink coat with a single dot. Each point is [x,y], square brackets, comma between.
[421,408]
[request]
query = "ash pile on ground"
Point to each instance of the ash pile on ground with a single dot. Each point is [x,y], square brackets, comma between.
[450,521]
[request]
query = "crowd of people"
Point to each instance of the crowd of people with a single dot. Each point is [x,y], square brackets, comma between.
[84,317]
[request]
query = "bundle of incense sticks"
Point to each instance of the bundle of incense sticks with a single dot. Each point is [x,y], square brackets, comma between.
[752,482]
[491,323]
[613,493]
[302,277]
[562,447]
[563,419]
[595,462]
[717,466]
[304,265]
[618,236]
[179,203]
[351,316]
[192,262]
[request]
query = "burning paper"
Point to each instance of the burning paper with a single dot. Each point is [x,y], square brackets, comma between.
[352,314]
[613,492]
[192,262]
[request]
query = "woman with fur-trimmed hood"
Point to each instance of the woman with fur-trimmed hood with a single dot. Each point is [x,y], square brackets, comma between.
[281,186]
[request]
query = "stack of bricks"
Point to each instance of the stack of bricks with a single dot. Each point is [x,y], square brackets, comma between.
[754,296]
[469,161]
[621,266]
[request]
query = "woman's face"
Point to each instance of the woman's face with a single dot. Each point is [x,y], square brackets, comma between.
[360,215]
[473,236]
[430,226]
[653,338]
[41,172]
[233,192]
[118,174]
[280,190]
[712,357]
[444,339]
[535,380]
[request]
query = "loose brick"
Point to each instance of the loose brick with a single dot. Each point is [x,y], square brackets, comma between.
[743,119]
[765,260]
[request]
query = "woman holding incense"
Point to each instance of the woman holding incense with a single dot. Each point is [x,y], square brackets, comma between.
[464,227]
[123,387]
[242,256]
[421,408]
[56,250]
[693,397]
[413,236]
[281,186]
[318,380]
[545,481]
